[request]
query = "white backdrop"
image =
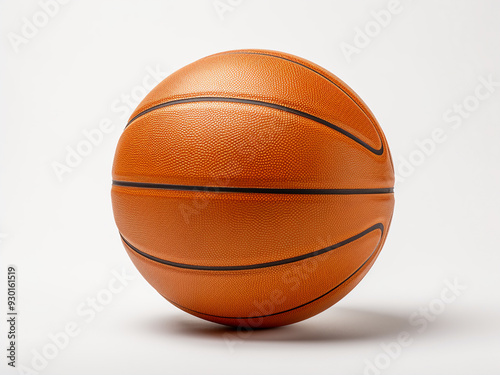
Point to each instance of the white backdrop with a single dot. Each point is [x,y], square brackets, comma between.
[429,70]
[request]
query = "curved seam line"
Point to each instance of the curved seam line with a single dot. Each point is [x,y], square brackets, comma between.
[229,189]
[263,104]
[379,226]
[293,308]
[320,74]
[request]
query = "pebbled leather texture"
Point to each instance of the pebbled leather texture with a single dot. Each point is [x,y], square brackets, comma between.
[192,199]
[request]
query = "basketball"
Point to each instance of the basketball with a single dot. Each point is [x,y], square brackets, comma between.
[253,188]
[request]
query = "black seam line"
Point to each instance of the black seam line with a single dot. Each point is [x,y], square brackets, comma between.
[293,308]
[378,226]
[309,68]
[318,73]
[228,189]
[263,104]
[304,66]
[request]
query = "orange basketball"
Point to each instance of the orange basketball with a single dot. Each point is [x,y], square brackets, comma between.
[253,188]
